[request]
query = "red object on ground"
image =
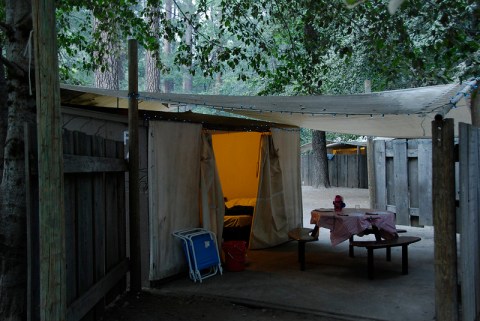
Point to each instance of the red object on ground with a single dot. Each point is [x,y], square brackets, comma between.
[235,253]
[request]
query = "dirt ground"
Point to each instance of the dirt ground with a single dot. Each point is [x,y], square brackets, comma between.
[149,306]
[156,307]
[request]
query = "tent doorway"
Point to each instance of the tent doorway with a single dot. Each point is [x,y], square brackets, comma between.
[237,157]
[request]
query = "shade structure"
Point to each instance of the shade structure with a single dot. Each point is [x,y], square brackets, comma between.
[405,113]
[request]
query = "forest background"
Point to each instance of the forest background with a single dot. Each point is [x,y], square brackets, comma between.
[305,47]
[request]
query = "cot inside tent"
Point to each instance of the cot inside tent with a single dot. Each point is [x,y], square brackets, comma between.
[186,187]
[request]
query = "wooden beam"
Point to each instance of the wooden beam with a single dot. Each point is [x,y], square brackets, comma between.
[92,164]
[134,184]
[444,220]
[50,164]
[78,309]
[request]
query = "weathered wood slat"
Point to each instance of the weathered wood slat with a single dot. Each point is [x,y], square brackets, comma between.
[84,223]
[85,303]
[425,181]
[380,174]
[70,226]
[470,223]
[50,163]
[401,182]
[445,247]
[98,149]
[93,164]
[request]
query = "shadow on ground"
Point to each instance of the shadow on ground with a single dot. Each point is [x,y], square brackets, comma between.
[333,284]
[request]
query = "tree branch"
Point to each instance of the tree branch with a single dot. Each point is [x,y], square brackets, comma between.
[12,68]
[8,29]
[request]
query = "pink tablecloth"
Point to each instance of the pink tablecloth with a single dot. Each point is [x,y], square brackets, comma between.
[353,221]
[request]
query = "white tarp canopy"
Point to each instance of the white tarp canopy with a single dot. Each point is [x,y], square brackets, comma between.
[405,113]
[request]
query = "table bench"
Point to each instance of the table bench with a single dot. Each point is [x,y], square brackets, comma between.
[302,236]
[370,231]
[403,241]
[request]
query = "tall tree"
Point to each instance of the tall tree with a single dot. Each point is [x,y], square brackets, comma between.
[3,115]
[21,110]
[168,83]
[320,168]
[188,40]
[152,72]
[107,73]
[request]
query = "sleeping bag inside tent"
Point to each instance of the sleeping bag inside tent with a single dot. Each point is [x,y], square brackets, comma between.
[191,170]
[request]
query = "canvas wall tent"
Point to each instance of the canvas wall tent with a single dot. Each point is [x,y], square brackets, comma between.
[181,187]
[405,113]
[183,169]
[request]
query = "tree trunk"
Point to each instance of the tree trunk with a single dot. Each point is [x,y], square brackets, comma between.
[152,73]
[107,75]
[3,115]
[320,162]
[168,84]
[21,109]
[187,76]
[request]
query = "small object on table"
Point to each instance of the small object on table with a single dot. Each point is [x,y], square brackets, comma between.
[302,236]
[338,203]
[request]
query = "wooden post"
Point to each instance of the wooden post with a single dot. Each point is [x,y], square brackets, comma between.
[50,164]
[372,187]
[134,186]
[444,220]
[475,105]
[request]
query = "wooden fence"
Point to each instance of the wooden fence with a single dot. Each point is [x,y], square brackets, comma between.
[343,170]
[95,224]
[403,179]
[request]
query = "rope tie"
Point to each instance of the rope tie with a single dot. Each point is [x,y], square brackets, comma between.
[28,50]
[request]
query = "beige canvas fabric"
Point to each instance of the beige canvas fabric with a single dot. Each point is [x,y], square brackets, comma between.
[270,223]
[213,206]
[173,194]
[287,143]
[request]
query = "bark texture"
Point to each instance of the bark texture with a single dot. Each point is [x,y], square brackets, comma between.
[152,73]
[107,75]
[168,84]
[21,109]
[3,115]
[320,163]
[187,76]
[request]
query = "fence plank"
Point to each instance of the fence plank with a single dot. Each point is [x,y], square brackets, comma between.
[352,171]
[401,182]
[85,245]
[82,305]
[70,219]
[380,174]
[98,149]
[469,209]
[425,181]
